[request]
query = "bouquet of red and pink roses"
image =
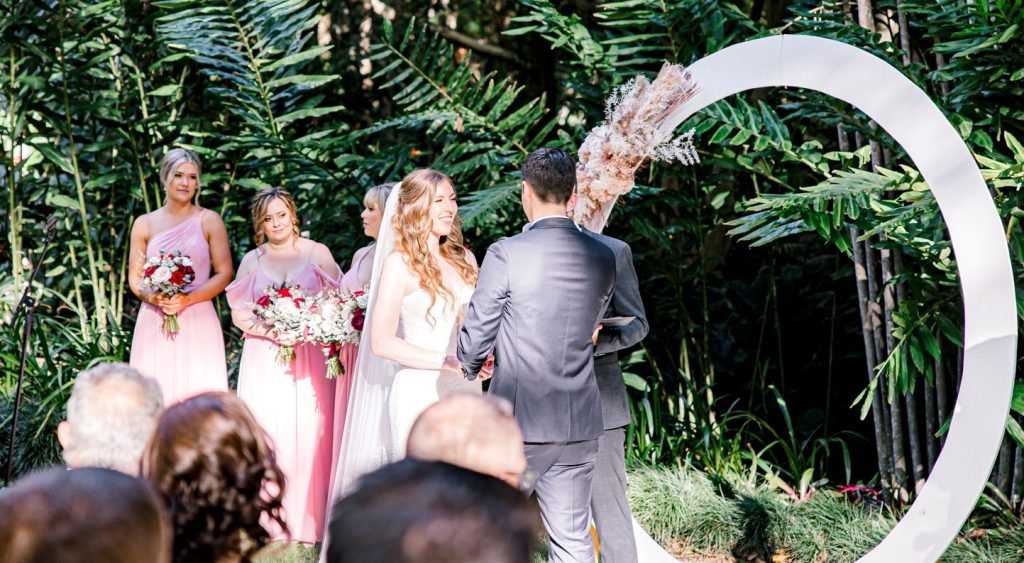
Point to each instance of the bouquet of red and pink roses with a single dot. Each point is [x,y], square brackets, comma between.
[285,311]
[336,318]
[168,273]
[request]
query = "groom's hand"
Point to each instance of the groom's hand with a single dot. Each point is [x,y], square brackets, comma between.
[596,331]
[487,370]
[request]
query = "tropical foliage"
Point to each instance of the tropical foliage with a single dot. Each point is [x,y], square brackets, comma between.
[802,268]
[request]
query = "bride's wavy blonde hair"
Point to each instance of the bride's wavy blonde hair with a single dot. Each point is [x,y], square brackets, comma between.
[413,224]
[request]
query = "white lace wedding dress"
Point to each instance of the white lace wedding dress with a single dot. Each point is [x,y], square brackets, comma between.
[414,390]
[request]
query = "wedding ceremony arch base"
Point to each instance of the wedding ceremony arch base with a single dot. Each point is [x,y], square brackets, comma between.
[976,232]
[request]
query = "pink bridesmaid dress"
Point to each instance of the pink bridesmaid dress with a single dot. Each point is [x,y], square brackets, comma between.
[294,404]
[191,361]
[349,283]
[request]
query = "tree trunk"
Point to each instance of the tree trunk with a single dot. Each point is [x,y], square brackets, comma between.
[865,15]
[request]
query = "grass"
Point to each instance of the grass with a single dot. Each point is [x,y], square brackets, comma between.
[280,552]
[720,517]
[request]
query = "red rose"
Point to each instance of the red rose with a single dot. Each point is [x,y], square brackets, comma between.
[283,292]
[358,292]
[188,270]
[150,271]
[357,320]
[178,277]
[298,302]
[263,301]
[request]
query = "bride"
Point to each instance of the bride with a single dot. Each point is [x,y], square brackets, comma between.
[422,277]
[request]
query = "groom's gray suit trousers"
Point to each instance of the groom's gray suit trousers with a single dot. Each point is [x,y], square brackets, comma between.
[566,471]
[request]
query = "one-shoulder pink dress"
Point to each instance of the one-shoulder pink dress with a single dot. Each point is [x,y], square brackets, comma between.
[293,403]
[190,361]
[349,283]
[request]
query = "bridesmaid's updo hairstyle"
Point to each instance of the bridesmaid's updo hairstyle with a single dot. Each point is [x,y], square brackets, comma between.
[217,474]
[175,158]
[413,225]
[378,195]
[260,203]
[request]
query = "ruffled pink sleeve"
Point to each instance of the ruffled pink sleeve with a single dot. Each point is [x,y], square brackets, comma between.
[325,280]
[241,293]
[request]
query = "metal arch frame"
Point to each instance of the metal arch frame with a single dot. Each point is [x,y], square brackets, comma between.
[976,232]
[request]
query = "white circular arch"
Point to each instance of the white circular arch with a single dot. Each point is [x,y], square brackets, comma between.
[976,232]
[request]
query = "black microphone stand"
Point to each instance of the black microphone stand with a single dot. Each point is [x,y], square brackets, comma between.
[28,306]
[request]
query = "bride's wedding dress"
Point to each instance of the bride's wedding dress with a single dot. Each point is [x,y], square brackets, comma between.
[386,397]
[414,390]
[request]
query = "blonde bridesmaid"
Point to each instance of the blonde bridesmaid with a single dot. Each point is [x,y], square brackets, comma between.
[294,402]
[190,361]
[357,277]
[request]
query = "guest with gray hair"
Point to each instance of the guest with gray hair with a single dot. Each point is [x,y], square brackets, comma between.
[111,414]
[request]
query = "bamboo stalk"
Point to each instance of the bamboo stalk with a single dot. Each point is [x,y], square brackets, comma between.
[931,417]
[99,302]
[941,395]
[13,209]
[1004,473]
[1017,488]
[882,430]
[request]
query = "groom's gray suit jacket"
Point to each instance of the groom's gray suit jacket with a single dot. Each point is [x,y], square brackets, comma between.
[538,298]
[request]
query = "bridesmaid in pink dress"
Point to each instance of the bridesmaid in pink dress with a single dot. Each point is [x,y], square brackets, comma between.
[294,403]
[357,277]
[190,361]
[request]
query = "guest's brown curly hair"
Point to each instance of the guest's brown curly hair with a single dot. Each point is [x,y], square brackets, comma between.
[217,473]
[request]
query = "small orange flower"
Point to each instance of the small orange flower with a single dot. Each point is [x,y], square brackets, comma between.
[414,152]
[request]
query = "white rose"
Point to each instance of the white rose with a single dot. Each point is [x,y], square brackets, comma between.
[185,261]
[287,307]
[162,274]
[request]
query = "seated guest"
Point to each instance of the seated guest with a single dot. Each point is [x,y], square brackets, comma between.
[218,476]
[474,432]
[111,414]
[87,515]
[428,512]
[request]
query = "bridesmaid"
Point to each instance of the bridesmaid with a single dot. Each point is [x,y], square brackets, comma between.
[357,277]
[293,403]
[190,361]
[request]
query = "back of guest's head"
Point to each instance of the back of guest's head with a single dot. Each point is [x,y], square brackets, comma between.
[551,174]
[478,433]
[111,414]
[82,516]
[426,512]
[217,473]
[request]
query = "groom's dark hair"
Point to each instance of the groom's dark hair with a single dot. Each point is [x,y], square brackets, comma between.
[551,174]
[422,512]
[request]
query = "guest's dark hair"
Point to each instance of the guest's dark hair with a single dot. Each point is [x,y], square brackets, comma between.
[88,514]
[551,174]
[217,472]
[424,512]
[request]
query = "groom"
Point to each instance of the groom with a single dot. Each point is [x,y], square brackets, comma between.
[538,300]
